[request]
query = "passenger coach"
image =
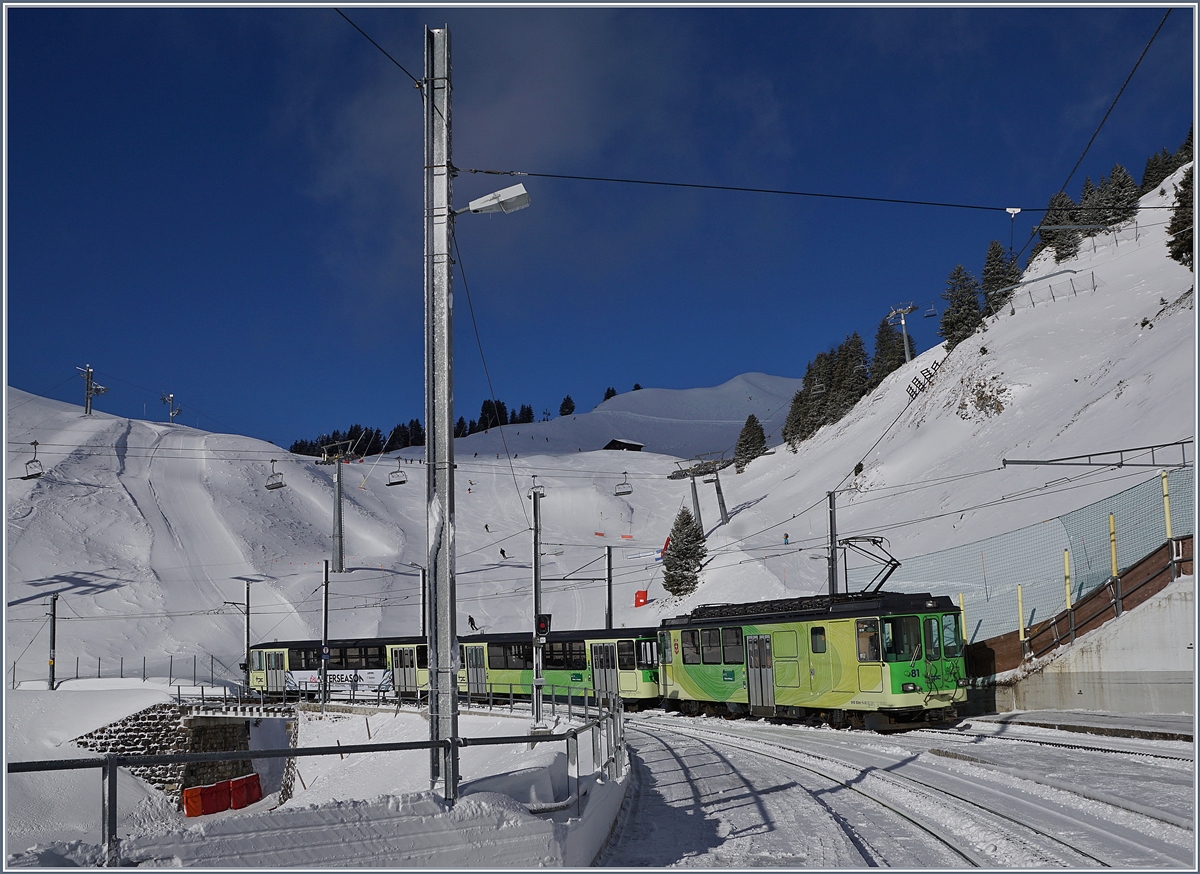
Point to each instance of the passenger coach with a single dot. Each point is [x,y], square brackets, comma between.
[866,659]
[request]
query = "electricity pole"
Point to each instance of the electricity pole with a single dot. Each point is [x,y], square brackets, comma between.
[53,621]
[537,493]
[439,415]
[325,641]
[608,613]
[901,312]
[833,586]
[335,453]
[90,388]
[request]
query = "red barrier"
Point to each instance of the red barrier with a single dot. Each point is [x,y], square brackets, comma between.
[244,791]
[214,798]
[639,597]
[191,801]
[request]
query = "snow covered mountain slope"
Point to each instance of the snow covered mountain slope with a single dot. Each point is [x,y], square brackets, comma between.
[147,530]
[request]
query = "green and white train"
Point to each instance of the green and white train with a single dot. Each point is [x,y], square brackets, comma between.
[877,660]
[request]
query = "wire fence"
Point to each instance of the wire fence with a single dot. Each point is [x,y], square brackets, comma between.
[194,669]
[987,572]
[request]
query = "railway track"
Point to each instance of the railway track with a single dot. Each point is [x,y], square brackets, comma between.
[846,825]
[1120,746]
[1040,830]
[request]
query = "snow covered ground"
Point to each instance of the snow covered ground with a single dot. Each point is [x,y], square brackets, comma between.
[148,530]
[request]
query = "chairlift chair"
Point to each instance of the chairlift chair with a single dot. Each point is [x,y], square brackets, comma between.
[397,477]
[931,313]
[33,467]
[623,488]
[818,389]
[275,480]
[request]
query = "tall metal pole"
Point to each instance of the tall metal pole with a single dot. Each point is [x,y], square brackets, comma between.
[339,550]
[325,640]
[53,621]
[608,613]
[721,499]
[537,609]
[696,507]
[247,635]
[439,414]
[424,604]
[833,586]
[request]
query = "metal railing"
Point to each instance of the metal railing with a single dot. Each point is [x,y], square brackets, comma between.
[608,756]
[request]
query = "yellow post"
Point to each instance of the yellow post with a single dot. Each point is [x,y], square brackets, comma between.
[962,610]
[1166,503]
[1020,614]
[1067,574]
[1112,541]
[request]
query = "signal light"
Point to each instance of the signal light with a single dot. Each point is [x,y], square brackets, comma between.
[541,624]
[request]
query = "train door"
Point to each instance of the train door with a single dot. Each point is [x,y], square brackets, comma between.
[404,670]
[664,670]
[276,672]
[604,669]
[760,675]
[820,671]
[476,671]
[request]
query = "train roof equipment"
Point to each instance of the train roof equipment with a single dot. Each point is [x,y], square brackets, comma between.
[814,607]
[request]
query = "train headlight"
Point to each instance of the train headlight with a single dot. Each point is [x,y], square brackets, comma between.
[910,687]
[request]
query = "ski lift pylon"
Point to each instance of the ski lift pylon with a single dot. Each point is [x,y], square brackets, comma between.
[33,467]
[397,477]
[275,479]
[624,487]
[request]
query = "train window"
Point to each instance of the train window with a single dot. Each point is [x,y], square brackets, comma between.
[354,657]
[710,645]
[256,660]
[817,639]
[867,633]
[901,638]
[496,658]
[554,656]
[664,647]
[731,645]
[422,656]
[647,658]
[577,655]
[933,638]
[951,638]
[374,657]
[296,660]
[689,642]
[520,657]
[626,660]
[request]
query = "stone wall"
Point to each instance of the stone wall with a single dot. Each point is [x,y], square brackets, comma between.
[164,729]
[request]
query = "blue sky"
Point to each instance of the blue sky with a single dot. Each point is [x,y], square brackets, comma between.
[226,203]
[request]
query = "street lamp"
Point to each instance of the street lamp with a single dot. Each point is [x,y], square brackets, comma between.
[505,200]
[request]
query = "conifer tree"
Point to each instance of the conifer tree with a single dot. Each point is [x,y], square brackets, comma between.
[610,392]
[999,272]
[751,443]
[1179,230]
[567,407]
[1062,211]
[1120,199]
[796,414]
[848,378]
[461,428]
[1183,154]
[1092,210]
[684,555]
[962,315]
[889,352]
[1158,168]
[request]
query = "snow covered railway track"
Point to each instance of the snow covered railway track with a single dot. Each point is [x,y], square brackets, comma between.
[1028,831]
[850,816]
[1128,749]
